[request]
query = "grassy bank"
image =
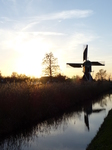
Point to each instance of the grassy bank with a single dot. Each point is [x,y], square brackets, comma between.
[24,104]
[103,139]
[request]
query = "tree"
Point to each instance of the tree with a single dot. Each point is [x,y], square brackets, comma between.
[76,78]
[60,78]
[101,75]
[14,75]
[50,64]
[0,74]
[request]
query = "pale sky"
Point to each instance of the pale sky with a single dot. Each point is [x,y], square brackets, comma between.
[31,28]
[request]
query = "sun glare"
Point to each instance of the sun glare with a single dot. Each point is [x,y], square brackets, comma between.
[31,54]
[29,65]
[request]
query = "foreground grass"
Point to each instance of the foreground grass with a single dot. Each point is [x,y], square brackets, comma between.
[103,139]
[23,104]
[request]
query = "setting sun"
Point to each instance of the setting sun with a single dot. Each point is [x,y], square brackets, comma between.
[31,53]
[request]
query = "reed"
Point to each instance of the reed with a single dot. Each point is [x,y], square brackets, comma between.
[23,104]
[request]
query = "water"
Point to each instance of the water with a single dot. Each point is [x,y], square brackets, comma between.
[72,131]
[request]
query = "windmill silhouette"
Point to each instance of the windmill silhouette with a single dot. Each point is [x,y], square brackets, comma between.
[86,65]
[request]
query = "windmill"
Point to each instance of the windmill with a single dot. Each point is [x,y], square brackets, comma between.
[86,65]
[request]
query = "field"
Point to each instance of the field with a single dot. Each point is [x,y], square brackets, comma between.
[23,104]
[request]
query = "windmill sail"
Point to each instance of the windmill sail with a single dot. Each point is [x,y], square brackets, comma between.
[76,65]
[85,53]
[97,63]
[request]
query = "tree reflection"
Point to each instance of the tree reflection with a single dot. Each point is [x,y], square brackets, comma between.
[16,141]
[104,99]
[25,138]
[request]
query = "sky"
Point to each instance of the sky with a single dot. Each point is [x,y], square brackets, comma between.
[31,28]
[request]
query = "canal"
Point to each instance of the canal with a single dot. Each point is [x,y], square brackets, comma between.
[71,131]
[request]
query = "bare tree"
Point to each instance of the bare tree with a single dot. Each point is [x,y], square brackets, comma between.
[101,75]
[50,64]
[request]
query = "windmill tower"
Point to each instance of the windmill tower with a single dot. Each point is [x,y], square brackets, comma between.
[86,65]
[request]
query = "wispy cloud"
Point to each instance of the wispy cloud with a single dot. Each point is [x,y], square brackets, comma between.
[63,15]
[47,33]
[69,14]
[29,22]
[7,19]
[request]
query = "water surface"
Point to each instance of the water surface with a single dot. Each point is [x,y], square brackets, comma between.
[71,131]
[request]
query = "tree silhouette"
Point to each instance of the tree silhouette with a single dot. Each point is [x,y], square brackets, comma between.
[50,65]
[14,75]
[101,75]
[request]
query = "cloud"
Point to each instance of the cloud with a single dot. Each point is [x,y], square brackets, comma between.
[50,33]
[64,15]
[7,19]
[46,33]
[29,22]
[29,26]
[71,14]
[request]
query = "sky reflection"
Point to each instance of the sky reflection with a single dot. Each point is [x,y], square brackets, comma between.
[69,132]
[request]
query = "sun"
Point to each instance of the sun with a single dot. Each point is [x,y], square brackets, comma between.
[29,65]
[31,54]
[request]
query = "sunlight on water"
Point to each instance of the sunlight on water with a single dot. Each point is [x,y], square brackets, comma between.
[72,131]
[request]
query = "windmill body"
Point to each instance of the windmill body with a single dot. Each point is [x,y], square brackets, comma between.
[87,65]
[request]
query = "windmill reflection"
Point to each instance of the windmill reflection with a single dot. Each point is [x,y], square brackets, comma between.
[88,110]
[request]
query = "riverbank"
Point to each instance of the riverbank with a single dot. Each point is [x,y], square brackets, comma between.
[24,104]
[103,139]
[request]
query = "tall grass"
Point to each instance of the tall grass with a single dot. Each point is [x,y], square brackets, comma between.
[22,104]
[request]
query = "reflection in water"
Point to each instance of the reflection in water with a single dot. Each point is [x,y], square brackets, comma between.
[17,141]
[61,132]
[88,110]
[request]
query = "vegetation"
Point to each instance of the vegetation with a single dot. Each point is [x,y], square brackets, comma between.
[103,139]
[23,103]
[101,75]
[50,64]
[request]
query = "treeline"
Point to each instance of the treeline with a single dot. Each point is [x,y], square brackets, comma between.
[15,77]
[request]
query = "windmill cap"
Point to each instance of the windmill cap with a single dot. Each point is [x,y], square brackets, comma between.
[87,63]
